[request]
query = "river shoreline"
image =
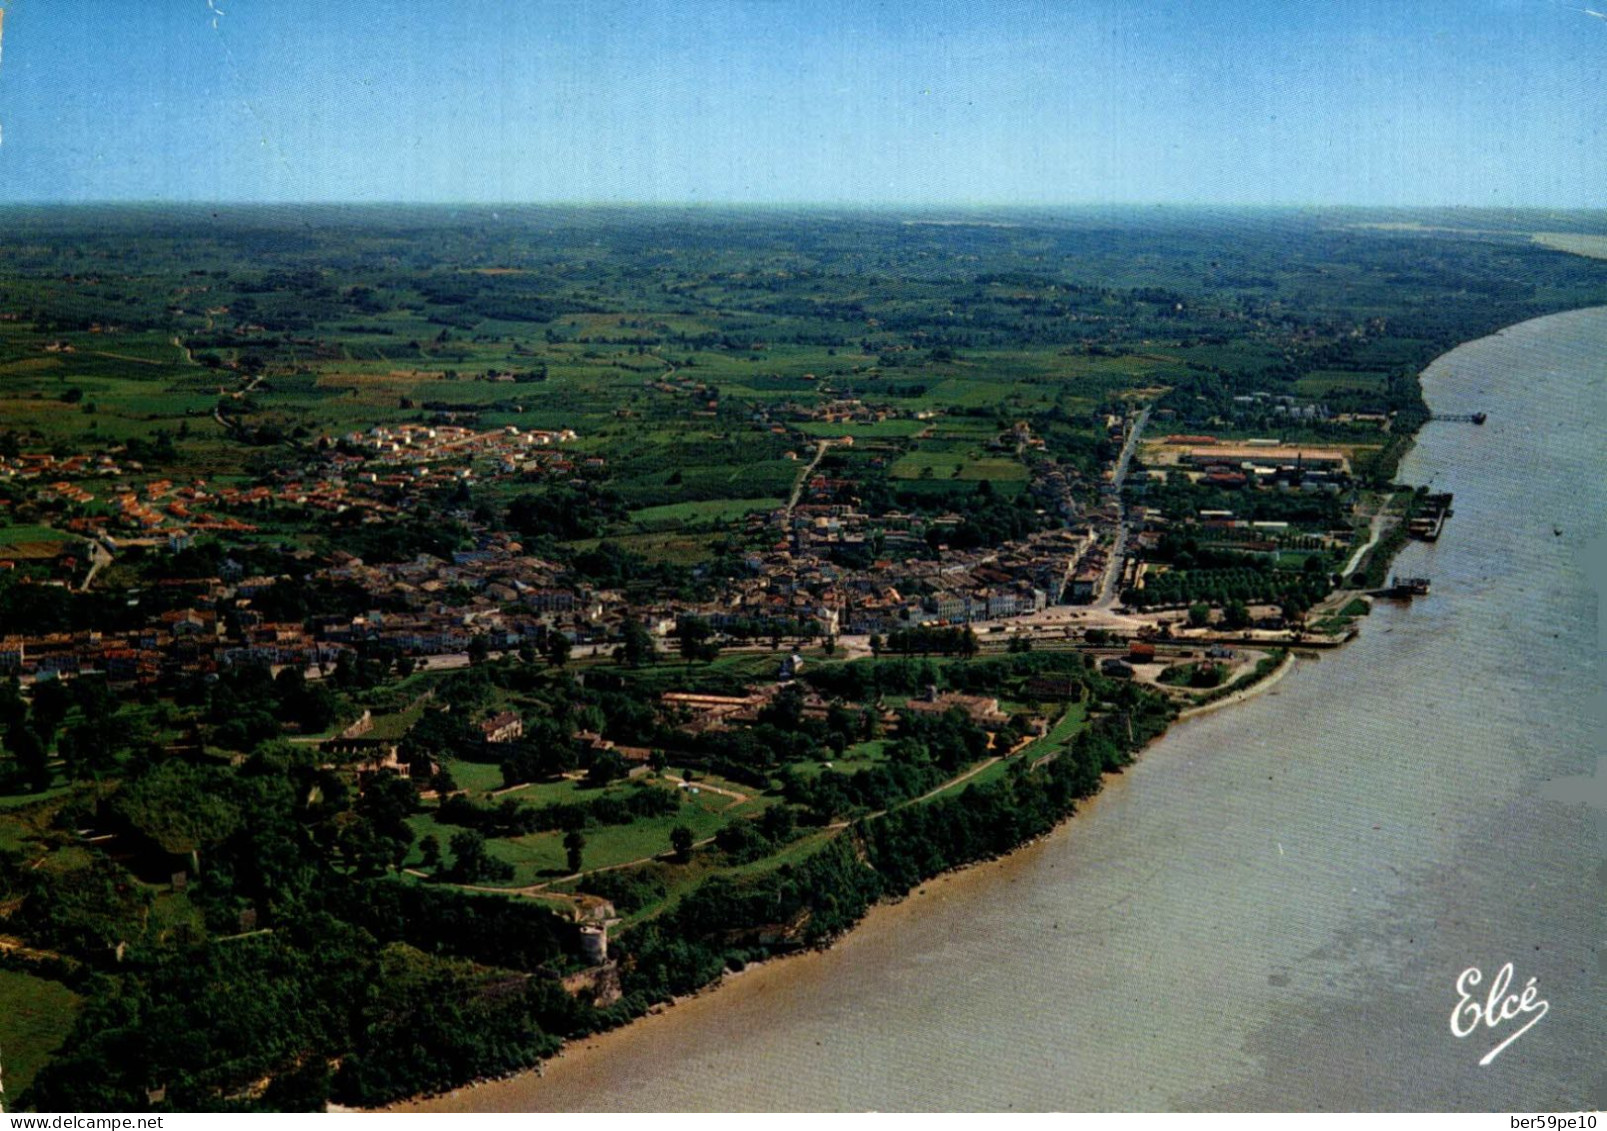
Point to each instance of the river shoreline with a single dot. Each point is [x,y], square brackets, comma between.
[750,985]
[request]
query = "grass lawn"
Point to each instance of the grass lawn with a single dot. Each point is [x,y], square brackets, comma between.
[172,910]
[1345,618]
[674,515]
[700,779]
[14,837]
[860,756]
[838,765]
[24,817]
[550,793]
[35,1015]
[1295,559]
[1067,725]
[397,723]
[567,791]
[883,429]
[476,777]
[672,673]
[23,800]
[423,825]
[678,549]
[12,535]
[1321,382]
[541,855]
[935,463]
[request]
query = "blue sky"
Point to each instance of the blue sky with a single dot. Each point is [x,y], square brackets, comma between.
[1478,102]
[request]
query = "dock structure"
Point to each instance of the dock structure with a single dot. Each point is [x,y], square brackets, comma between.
[1428,523]
[1407,587]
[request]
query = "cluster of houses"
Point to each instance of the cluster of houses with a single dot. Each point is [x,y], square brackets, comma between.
[959,587]
[410,457]
[160,513]
[430,443]
[847,410]
[34,466]
[428,606]
[388,466]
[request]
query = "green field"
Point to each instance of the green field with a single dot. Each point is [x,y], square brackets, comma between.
[477,777]
[860,756]
[879,430]
[541,856]
[35,1017]
[965,465]
[673,516]
[1321,382]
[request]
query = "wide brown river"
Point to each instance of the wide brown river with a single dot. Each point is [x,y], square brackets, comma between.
[1272,908]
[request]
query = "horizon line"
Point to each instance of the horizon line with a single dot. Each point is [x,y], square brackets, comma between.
[865,206]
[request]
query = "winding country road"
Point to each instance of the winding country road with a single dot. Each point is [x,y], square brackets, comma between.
[99,557]
[1377,524]
[803,478]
